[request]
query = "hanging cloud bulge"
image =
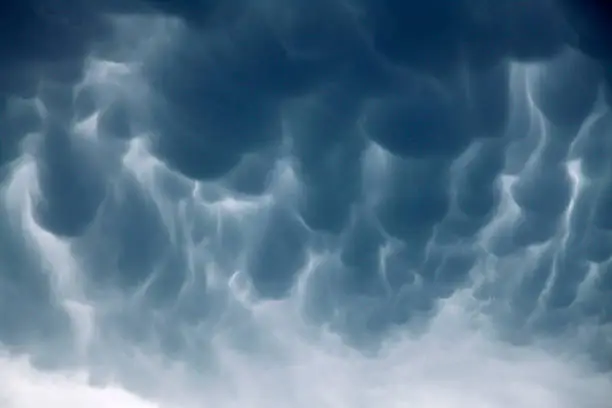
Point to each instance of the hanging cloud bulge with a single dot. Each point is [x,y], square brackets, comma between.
[333,203]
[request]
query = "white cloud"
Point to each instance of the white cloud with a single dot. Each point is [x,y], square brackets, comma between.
[450,366]
[23,386]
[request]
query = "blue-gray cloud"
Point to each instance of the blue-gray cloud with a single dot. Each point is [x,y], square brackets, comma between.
[202,189]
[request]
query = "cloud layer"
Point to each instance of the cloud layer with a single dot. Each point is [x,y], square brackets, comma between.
[342,203]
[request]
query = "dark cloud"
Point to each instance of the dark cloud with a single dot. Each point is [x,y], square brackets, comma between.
[567,88]
[420,122]
[280,253]
[71,186]
[430,142]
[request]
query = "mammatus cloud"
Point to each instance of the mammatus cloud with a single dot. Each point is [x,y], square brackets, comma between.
[345,204]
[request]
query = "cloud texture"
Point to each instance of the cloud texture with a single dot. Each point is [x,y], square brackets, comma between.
[333,203]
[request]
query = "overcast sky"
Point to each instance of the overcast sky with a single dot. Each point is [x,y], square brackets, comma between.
[290,203]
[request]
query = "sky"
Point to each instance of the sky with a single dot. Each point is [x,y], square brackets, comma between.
[289,203]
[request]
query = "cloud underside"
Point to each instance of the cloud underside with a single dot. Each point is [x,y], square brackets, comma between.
[335,203]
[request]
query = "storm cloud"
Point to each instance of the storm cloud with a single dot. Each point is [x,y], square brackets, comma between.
[345,203]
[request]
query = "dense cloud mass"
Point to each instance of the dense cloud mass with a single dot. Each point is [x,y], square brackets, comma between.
[333,203]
